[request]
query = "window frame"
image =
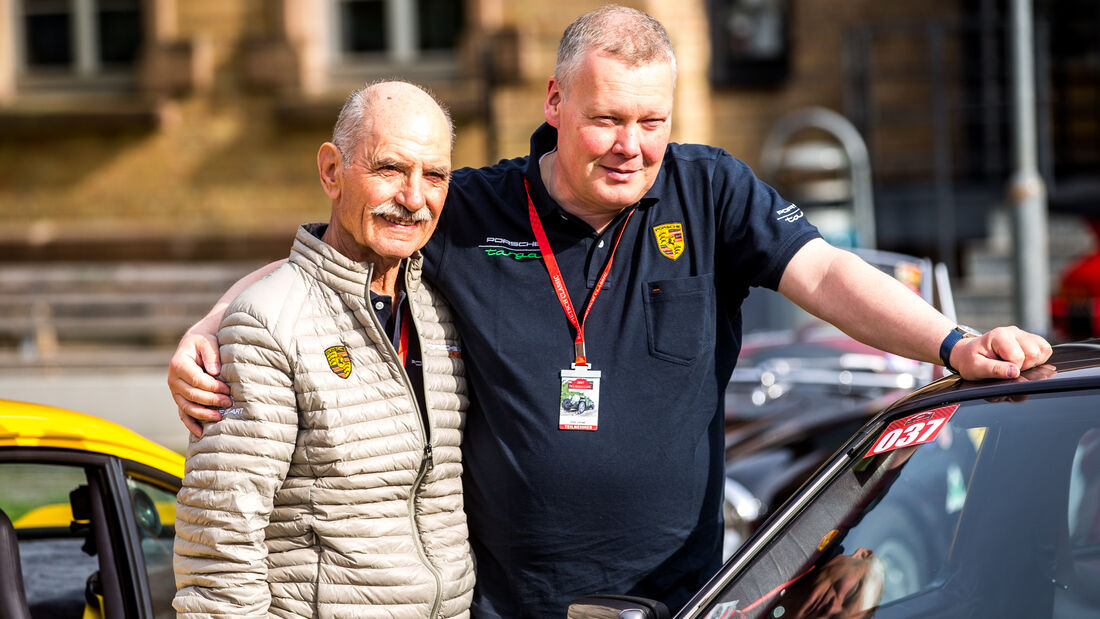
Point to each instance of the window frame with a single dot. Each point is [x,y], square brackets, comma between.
[402,54]
[751,68]
[86,71]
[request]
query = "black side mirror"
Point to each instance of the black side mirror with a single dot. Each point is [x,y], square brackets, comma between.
[80,501]
[616,607]
[145,512]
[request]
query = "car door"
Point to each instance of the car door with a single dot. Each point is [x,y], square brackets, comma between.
[94,532]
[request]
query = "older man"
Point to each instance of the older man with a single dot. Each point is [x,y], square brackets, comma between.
[608,268]
[332,485]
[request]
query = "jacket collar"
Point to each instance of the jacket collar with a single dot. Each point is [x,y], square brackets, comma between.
[338,271]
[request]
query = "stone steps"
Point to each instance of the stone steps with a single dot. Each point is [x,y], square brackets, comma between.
[104,313]
[984,297]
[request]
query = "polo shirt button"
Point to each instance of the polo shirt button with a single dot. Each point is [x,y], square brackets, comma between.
[600,244]
[379,305]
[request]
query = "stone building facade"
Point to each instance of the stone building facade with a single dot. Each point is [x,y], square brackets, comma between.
[203,145]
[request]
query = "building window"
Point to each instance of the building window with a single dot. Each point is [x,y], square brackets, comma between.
[385,33]
[749,42]
[72,40]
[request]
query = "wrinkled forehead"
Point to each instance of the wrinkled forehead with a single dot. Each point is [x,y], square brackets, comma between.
[410,134]
[419,125]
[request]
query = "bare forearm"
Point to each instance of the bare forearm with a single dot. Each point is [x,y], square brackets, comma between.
[870,306]
[878,310]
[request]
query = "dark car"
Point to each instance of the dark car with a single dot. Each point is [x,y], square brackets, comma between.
[801,388]
[577,402]
[962,499]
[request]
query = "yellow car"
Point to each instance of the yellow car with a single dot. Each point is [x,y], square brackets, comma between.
[86,517]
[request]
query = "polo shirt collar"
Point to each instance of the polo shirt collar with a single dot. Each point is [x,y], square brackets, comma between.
[543,141]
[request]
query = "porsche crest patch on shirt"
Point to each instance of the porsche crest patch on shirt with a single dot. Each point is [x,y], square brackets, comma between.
[670,239]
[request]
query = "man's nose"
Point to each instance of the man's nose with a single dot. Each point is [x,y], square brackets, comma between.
[626,141]
[411,193]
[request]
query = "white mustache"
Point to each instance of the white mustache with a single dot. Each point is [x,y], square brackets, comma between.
[396,211]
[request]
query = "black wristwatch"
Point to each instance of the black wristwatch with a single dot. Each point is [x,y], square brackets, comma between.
[948,344]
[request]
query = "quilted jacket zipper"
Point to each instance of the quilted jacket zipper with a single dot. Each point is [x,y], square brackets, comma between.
[426,463]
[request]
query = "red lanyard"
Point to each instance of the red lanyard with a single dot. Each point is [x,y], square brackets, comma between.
[403,342]
[772,593]
[559,282]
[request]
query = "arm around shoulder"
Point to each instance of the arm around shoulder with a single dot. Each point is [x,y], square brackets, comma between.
[232,474]
[196,361]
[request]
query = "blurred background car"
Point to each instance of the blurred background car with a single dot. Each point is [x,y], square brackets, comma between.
[87,510]
[962,499]
[802,387]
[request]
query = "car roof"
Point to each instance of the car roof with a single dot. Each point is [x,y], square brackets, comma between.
[1077,365]
[35,425]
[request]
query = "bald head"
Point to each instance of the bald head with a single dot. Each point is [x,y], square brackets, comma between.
[386,104]
[386,171]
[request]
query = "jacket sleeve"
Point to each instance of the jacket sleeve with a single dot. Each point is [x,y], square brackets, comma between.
[232,473]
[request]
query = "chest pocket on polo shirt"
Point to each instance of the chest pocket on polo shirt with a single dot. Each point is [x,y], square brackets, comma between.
[679,317]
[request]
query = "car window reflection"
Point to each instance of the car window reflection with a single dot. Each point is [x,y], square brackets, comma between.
[1012,495]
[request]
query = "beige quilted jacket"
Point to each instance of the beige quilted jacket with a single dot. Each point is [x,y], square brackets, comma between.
[322,493]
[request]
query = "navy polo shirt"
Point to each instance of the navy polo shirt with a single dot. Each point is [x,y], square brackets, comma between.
[635,506]
[391,316]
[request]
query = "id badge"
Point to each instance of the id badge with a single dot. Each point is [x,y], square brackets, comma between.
[579,404]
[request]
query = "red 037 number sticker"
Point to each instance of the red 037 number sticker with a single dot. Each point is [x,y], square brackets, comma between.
[912,430]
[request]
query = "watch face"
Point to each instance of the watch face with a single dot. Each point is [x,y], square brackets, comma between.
[965,330]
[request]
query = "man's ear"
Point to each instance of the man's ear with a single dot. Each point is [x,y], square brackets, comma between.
[329,164]
[551,108]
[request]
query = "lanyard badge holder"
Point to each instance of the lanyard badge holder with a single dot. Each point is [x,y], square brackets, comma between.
[579,404]
[579,396]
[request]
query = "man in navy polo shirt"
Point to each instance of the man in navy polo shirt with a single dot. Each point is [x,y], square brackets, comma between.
[607,269]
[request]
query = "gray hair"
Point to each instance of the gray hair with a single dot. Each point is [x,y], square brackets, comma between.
[627,34]
[354,118]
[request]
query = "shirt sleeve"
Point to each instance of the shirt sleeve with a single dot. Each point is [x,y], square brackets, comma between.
[759,230]
[232,474]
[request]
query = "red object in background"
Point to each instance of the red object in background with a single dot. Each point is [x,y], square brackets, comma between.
[1075,307]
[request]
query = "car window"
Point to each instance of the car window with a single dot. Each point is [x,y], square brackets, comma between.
[155,514]
[57,561]
[997,514]
[1084,513]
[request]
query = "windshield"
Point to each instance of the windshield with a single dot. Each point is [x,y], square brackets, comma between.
[972,509]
